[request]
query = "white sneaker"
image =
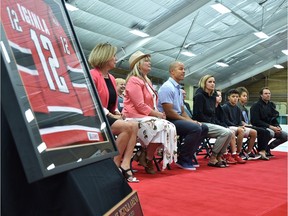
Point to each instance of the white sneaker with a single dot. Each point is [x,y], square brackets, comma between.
[196,165]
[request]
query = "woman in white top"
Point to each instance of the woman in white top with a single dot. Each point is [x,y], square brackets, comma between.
[140,103]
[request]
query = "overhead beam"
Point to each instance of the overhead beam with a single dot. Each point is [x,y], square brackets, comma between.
[155,28]
[166,22]
[252,72]
[242,19]
[239,45]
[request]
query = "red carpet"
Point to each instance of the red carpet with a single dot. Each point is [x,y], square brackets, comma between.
[257,188]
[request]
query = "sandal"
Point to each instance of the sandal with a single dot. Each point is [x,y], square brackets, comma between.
[128,177]
[224,163]
[263,156]
[217,164]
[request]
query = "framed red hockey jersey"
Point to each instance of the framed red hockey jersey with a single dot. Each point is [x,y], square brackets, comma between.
[52,107]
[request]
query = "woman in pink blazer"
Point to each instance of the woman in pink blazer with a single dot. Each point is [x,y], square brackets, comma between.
[140,104]
[102,59]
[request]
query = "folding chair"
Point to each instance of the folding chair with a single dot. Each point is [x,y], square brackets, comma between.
[206,145]
[157,159]
[245,146]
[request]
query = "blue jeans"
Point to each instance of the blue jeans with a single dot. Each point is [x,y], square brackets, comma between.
[193,134]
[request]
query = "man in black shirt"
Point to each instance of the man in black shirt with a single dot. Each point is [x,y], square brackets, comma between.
[264,114]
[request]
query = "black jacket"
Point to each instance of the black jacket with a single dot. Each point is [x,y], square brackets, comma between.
[263,115]
[204,107]
[233,115]
[220,116]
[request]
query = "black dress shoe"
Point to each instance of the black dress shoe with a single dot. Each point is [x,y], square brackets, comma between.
[268,154]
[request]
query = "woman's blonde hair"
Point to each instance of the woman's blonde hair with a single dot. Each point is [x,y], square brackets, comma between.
[137,72]
[203,80]
[101,54]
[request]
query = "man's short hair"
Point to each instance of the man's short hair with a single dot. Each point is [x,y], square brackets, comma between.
[262,89]
[232,91]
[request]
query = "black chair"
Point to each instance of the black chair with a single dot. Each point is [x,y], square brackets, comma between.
[137,149]
[157,159]
[206,146]
[245,146]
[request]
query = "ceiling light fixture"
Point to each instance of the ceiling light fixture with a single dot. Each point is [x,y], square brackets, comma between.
[187,53]
[222,64]
[139,33]
[278,66]
[220,8]
[223,9]
[285,52]
[71,7]
[258,62]
[261,35]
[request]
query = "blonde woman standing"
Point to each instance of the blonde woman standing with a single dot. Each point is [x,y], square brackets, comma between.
[140,103]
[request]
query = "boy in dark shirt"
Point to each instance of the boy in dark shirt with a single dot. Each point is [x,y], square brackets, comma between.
[234,121]
[233,157]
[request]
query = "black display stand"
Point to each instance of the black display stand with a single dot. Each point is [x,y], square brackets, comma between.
[56,148]
[88,190]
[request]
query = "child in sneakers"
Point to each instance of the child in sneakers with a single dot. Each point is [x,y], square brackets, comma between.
[233,157]
[263,135]
[234,121]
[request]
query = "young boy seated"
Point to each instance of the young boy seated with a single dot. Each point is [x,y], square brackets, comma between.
[233,116]
[233,157]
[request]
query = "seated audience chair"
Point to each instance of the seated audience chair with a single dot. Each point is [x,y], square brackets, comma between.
[206,146]
[245,146]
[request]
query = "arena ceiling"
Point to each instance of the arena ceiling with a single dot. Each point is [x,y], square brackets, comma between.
[175,26]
